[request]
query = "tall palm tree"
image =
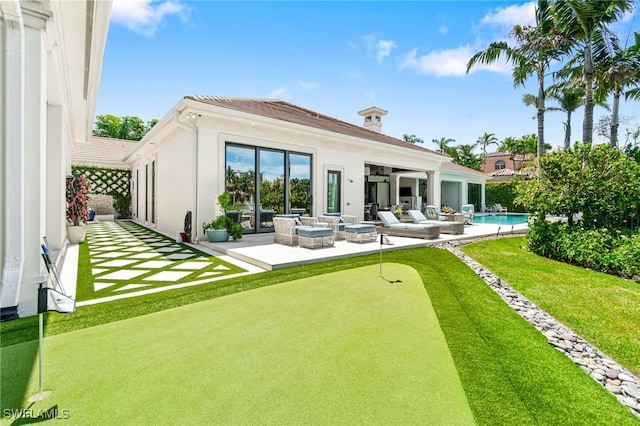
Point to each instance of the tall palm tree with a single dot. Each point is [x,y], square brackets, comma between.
[570,97]
[583,21]
[484,141]
[616,74]
[536,47]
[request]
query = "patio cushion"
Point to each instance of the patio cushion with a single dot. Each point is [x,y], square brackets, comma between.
[298,227]
[360,229]
[310,231]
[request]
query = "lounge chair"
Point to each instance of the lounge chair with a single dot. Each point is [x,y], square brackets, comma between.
[337,221]
[445,226]
[499,209]
[392,226]
[469,212]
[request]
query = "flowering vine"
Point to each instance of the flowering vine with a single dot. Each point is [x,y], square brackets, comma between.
[77,200]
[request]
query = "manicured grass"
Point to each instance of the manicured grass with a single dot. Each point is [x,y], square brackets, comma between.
[601,308]
[117,258]
[510,374]
[337,348]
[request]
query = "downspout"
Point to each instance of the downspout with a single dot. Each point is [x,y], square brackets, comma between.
[194,210]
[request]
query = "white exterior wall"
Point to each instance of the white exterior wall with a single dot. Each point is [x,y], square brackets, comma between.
[190,142]
[51,62]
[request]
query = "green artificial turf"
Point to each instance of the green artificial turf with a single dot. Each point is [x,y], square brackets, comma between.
[125,257]
[601,308]
[345,347]
[510,374]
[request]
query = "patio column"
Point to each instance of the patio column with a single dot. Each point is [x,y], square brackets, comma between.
[35,151]
[12,155]
[434,184]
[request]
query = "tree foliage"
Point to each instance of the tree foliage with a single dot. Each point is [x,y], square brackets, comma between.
[128,127]
[599,182]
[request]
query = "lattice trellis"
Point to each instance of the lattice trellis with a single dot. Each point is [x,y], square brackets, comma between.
[105,181]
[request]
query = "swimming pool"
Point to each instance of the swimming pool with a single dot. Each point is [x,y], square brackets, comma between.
[501,218]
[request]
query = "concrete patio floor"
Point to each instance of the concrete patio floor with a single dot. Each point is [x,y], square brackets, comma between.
[260,250]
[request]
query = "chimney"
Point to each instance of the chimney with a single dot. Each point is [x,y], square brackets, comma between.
[373,118]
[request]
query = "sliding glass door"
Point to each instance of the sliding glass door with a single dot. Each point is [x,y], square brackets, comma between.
[266,182]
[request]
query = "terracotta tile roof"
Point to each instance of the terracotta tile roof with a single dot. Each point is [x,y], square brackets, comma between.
[502,172]
[519,157]
[102,150]
[281,110]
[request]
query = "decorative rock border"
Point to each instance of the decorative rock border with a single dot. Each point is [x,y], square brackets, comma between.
[615,378]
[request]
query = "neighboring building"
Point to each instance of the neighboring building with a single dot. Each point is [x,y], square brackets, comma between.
[503,165]
[276,157]
[51,60]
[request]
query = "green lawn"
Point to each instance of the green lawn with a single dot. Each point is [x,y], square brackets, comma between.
[509,373]
[601,308]
[340,347]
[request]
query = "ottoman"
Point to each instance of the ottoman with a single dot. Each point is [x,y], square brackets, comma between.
[360,233]
[313,237]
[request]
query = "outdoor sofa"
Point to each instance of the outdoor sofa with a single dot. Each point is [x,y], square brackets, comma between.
[446,227]
[392,226]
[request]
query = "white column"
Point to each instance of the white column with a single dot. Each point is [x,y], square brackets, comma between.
[35,130]
[435,187]
[12,54]
[56,170]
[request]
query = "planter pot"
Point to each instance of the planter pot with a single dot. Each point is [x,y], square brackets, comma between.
[217,235]
[76,233]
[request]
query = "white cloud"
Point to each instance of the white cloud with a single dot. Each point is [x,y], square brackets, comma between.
[384,49]
[449,62]
[523,14]
[307,85]
[145,16]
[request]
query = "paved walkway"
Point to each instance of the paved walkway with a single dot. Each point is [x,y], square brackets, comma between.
[258,253]
[261,251]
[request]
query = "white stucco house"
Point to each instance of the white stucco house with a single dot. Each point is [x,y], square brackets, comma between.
[51,60]
[276,157]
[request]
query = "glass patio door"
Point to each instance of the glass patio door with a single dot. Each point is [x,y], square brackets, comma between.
[271,184]
[333,191]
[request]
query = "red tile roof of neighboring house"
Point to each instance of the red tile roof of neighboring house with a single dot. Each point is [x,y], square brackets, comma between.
[281,110]
[98,149]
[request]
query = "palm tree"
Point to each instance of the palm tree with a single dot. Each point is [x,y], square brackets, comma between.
[615,74]
[583,21]
[464,156]
[514,147]
[484,141]
[413,139]
[570,97]
[536,48]
[443,144]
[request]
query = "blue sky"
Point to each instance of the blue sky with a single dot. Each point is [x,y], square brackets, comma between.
[333,57]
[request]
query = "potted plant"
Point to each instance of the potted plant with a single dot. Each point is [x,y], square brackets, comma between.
[77,193]
[219,229]
[398,212]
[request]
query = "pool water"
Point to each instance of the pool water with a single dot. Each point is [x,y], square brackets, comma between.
[501,218]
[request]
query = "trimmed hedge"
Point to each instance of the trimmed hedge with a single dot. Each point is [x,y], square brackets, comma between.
[612,251]
[503,193]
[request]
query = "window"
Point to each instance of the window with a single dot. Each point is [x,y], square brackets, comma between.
[500,164]
[265,182]
[333,191]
